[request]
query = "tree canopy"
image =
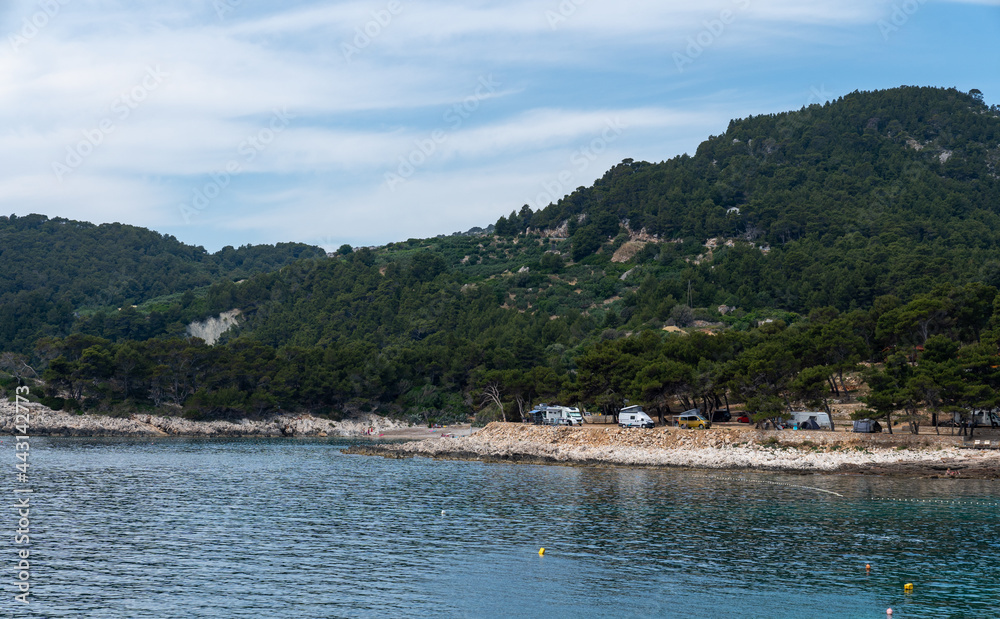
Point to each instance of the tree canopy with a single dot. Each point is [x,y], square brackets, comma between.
[861,231]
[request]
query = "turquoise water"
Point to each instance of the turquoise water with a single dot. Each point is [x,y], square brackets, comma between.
[288,528]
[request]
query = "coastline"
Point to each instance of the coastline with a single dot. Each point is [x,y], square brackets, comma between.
[46,422]
[904,455]
[723,448]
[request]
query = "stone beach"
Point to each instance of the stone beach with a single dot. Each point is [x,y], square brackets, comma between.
[723,448]
[729,448]
[44,421]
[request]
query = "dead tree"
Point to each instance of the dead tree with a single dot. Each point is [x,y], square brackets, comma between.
[491,395]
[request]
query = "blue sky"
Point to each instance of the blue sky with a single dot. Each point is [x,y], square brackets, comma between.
[227,122]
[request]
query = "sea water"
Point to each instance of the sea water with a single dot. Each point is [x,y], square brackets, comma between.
[296,528]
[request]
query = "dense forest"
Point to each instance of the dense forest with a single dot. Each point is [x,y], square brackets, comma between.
[858,235]
[836,193]
[55,269]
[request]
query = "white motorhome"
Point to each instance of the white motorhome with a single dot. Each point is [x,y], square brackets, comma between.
[547,415]
[980,417]
[571,416]
[810,420]
[634,417]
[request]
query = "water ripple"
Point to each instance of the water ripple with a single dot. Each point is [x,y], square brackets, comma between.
[280,528]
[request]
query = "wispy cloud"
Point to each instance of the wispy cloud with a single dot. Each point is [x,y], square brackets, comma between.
[563,69]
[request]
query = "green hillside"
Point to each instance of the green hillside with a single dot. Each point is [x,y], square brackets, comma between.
[876,193]
[54,268]
[864,229]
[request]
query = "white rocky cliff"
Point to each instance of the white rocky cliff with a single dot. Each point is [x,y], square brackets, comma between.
[211,329]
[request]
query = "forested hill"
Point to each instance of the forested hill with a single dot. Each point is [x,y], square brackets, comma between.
[864,229]
[885,192]
[51,268]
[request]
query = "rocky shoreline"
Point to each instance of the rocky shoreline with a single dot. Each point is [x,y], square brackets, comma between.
[725,449]
[720,448]
[46,422]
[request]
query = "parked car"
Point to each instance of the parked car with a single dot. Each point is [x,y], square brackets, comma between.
[692,420]
[721,416]
[744,418]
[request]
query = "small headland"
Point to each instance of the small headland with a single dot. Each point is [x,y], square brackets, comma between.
[726,448]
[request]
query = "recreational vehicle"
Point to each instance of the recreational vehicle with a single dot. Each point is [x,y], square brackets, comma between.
[978,417]
[634,417]
[551,415]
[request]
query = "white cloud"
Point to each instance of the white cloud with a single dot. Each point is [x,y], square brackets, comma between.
[93,198]
[560,81]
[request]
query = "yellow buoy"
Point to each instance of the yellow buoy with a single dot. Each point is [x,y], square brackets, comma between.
[908,586]
[541,551]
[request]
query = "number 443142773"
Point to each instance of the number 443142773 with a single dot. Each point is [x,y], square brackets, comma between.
[21,421]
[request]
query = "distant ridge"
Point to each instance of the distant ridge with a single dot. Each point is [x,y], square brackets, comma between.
[786,251]
[54,267]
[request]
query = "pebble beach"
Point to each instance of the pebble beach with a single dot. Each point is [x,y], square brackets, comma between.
[722,448]
[47,422]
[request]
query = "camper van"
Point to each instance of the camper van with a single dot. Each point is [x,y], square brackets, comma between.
[810,420]
[571,416]
[634,417]
[551,415]
[979,417]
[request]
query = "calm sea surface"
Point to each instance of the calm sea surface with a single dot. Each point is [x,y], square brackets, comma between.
[292,528]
